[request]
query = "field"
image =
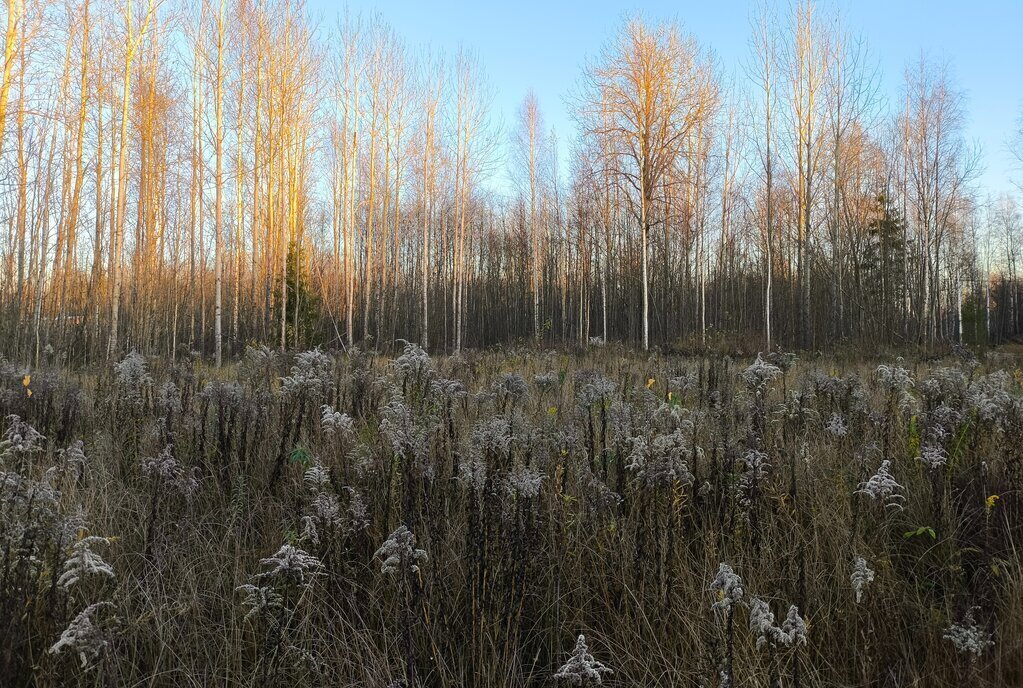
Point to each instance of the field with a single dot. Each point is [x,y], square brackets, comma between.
[328,519]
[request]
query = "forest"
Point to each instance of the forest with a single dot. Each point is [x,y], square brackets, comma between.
[200,176]
[318,369]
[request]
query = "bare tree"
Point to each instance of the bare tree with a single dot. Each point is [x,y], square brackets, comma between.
[642,96]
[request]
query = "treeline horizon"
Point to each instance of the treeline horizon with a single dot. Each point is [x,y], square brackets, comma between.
[200,176]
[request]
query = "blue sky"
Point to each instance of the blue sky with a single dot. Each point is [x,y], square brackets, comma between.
[543,45]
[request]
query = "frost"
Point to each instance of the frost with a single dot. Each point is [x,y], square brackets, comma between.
[133,378]
[85,563]
[933,456]
[792,631]
[83,635]
[20,438]
[524,482]
[290,566]
[311,375]
[861,577]
[168,472]
[399,552]
[581,668]
[836,426]
[760,374]
[883,488]
[893,378]
[968,636]
[262,601]
[335,422]
[727,586]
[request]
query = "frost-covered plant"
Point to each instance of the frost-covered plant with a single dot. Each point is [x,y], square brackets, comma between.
[133,378]
[263,602]
[893,378]
[408,437]
[219,393]
[84,635]
[933,456]
[168,398]
[989,397]
[31,519]
[272,595]
[670,417]
[896,383]
[785,360]
[523,481]
[794,627]
[290,566]
[592,388]
[70,461]
[448,389]
[510,388]
[167,472]
[761,624]
[861,577]
[969,637]
[942,421]
[399,552]
[727,588]
[20,438]
[943,384]
[799,407]
[316,478]
[413,363]
[491,438]
[836,425]
[85,563]
[683,384]
[882,487]
[792,631]
[472,474]
[759,374]
[619,421]
[335,422]
[659,462]
[582,669]
[311,376]
[753,475]
[326,515]
[545,380]
[258,364]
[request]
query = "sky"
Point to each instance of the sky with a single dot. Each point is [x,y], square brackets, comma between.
[543,45]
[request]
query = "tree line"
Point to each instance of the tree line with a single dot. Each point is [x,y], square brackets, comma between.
[200,175]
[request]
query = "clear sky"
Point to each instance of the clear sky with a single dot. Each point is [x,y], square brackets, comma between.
[543,45]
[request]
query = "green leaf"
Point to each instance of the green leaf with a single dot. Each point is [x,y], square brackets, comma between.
[300,455]
[922,530]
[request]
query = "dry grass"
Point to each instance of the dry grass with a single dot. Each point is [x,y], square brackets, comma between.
[645,487]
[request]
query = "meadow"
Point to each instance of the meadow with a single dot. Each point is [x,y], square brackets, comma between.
[513,517]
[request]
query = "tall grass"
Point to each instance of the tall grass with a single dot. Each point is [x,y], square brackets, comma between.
[513,518]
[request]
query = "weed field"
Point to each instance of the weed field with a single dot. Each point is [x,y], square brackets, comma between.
[512,518]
